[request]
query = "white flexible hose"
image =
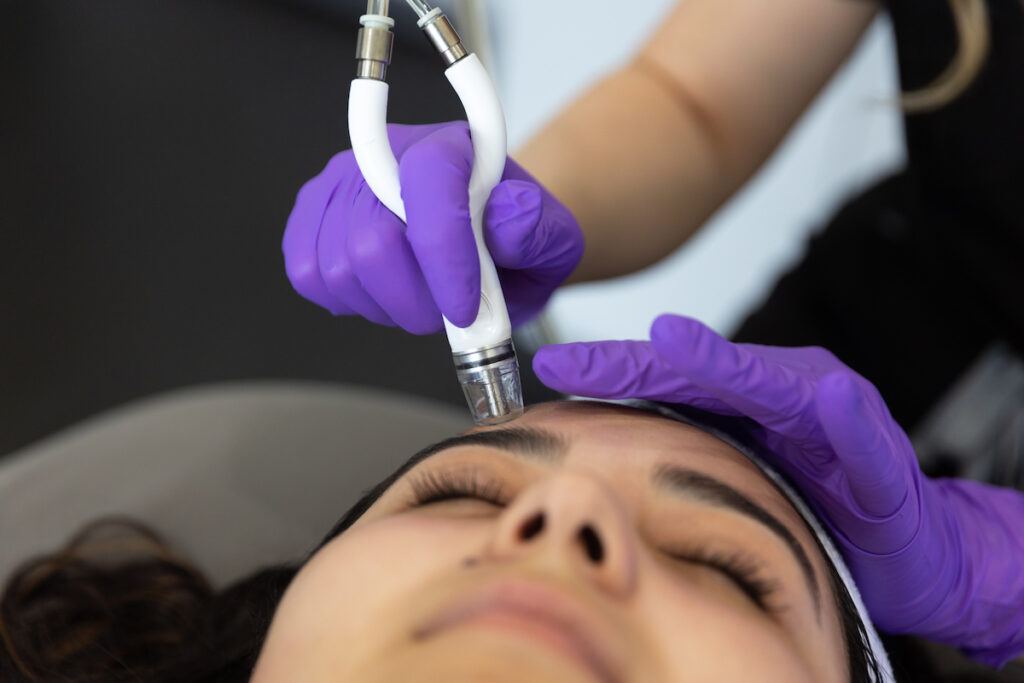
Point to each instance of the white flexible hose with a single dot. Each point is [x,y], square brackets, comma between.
[368,129]
[367,117]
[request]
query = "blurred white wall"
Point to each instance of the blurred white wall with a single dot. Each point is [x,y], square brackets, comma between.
[544,55]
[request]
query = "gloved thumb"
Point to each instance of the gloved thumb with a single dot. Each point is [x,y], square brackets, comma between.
[606,369]
[617,370]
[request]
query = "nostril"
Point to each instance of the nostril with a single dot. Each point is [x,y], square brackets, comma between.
[532,526]
[592,543]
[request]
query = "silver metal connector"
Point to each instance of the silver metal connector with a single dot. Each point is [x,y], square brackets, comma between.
[440,32]
[376,42]
[490,382]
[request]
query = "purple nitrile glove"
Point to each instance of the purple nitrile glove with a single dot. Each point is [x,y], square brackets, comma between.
[347,252]
[943,559]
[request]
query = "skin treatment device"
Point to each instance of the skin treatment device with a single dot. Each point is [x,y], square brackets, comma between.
[485,358]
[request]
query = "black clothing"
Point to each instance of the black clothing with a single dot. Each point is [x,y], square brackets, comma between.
[917,275]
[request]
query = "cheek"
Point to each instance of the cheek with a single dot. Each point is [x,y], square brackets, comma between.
[705,634]
[359,594]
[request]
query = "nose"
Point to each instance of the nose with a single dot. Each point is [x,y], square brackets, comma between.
[576,521]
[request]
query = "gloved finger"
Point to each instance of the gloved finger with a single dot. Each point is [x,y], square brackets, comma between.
[435,175]
[301,234]
[874,463]
[617,369]
[383,262]
[526,228]
[334,262]
[512,221]
[766,391]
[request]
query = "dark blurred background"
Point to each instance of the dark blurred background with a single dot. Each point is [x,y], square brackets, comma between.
[150,152]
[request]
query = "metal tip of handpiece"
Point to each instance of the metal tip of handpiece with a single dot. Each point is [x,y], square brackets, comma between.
[491,384]
[496,398]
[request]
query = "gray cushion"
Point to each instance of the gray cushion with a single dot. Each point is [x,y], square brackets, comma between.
[235,475]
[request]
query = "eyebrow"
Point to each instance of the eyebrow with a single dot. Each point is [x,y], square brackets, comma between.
[527,442]
[544,446]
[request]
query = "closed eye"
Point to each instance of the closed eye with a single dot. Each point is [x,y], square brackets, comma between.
[438,486]
[742,570]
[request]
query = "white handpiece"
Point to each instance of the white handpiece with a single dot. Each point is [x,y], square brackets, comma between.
[485,359]
[367,117]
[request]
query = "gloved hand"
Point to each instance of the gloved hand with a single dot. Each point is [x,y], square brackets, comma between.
[943,559]
[348,253]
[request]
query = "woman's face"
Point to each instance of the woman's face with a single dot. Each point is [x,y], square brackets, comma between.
[579,543]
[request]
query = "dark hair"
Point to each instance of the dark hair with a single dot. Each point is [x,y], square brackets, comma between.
[860,659]
[116,604]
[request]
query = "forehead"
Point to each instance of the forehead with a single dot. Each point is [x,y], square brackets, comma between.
[612,435]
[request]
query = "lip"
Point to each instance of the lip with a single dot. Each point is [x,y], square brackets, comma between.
[539,612]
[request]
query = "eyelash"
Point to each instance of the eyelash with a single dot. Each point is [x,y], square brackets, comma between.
[437,487]
[741,569]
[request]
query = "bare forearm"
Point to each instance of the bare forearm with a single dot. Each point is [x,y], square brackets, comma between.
[649,153]
[639,172]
